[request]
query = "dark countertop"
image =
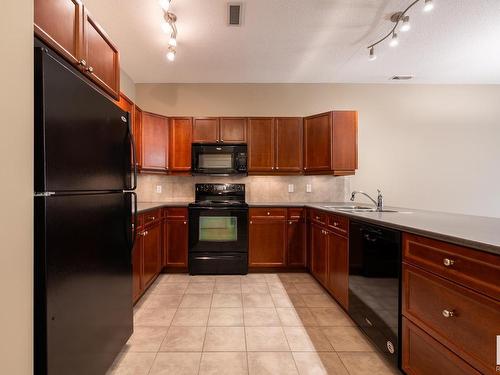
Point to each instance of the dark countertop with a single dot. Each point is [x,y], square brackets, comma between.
[478,232]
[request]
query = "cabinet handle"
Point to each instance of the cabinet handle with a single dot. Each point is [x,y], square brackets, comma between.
[448,262]
[222,141]
[89,69]
[317,217]
[290,222]
[82,62]
[185,222]
[251,222]
[272,167]
[335,224]
[268,213]
[277,167]
[448,313]
[151,218]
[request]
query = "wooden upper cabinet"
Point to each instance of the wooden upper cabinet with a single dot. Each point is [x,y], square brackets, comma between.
[261,144]
[345,141]
[205,130]
[68,28]
[181,135]
[233,130]
[288,144]
[154,141]
[59,24]
[318,143]
[102,57]
[330,143]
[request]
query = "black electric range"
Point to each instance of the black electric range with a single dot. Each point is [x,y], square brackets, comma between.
[218,230]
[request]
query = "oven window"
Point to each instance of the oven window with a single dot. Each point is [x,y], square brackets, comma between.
[215,161]
[218,228]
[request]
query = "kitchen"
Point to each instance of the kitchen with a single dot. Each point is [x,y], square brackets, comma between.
[249,254]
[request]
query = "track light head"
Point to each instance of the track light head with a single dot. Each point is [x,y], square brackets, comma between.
[406,24]
[394,40]
[372,54]
[428,5]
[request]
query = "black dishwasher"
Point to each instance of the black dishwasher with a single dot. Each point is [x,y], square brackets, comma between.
[375,285]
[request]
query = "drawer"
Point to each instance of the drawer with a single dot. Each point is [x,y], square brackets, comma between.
[338,223]
[424,355]
[464,321]
[267,213]
[319,217]
[475,269]
[295,213]
[151,216]
[176,213]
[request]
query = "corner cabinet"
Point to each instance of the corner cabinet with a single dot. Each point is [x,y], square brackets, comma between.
[69,28]
[330,143]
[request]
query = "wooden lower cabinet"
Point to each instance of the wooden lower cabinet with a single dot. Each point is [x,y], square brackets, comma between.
[296,243]
[319,253]
[176,232]
[267,243]
[151,253]
[338,268]
[424,355]
[137,269]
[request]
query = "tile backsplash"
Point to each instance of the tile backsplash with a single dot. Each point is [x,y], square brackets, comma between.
[258,188]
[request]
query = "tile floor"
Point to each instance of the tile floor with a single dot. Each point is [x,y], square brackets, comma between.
[254,324]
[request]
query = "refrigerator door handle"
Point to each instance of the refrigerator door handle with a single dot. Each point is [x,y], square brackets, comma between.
[134,224]
[134,158]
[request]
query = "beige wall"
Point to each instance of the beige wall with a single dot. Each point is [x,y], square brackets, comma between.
[127,85]
[258,188]
[433,147]
[16,187]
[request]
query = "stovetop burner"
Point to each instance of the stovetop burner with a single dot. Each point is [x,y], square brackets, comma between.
[219,195]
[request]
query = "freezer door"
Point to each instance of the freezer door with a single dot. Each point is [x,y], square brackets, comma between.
[83,281]
[82,139]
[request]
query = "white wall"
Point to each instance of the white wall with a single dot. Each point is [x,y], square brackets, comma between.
[16,187]
[432,147]
[127,85]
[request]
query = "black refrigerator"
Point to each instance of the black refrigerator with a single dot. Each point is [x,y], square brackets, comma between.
[85,211]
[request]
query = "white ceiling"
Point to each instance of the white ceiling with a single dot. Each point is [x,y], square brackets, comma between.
[310,41]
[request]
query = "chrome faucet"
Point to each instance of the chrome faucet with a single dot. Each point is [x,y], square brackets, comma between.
[379,203]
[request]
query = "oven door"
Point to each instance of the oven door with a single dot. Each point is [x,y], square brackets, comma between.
[218,160]
[218,230]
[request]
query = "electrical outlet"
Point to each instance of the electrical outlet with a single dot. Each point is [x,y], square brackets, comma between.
[158,189]
[291,188]
[308,188]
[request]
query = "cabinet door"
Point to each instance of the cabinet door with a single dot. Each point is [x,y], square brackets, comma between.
[176,239]
[345,141]
[233,130]
[154,142]
[338,268]
[319,244]
[206,130]
[181,134]
[267,239]
[296,244]
[152,253]
[137,132]
[289,145]
[137,269]
[103,65]
[261,145]
[318,143]
[59,24]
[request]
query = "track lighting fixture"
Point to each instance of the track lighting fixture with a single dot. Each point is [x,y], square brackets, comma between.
[400,19]
[428,5]
[169,28]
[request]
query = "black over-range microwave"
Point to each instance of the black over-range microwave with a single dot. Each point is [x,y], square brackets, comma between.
[219,160]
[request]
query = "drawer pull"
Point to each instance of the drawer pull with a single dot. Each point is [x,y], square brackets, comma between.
[448,262]
[151,218]
[317,217]
[335,224]
[448,313]
[268,213]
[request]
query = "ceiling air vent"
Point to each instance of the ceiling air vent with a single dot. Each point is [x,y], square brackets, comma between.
[234,14]
[401,78]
